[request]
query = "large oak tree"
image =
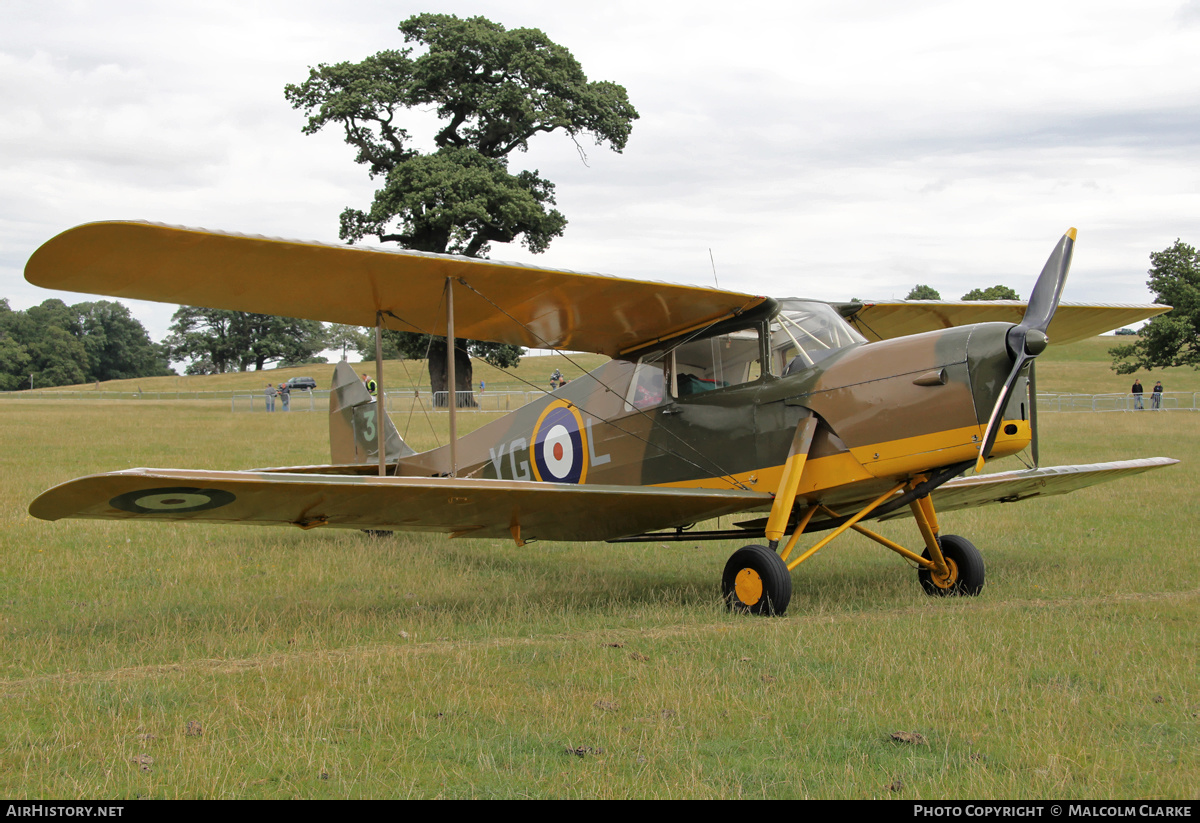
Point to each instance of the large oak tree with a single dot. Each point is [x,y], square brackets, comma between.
[492,90]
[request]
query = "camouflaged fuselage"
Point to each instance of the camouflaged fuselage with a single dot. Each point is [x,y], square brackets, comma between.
[886,410]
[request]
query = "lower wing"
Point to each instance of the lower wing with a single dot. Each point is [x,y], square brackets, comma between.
[460,507]
[1009,487]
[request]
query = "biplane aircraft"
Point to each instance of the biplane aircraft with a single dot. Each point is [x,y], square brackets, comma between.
[713,403]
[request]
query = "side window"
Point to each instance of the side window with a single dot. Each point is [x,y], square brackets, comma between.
[717,362]
[648,387]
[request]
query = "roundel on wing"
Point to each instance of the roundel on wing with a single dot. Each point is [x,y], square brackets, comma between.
[174,500]
[559,449]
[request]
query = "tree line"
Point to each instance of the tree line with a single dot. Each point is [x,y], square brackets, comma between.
[921,292]
[54,344]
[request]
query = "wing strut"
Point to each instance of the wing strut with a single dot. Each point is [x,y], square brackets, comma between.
[452,394]
[1033,421]
[380,405]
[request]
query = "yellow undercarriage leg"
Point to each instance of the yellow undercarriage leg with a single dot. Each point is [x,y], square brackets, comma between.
[870,507]
[926,518]
[894,546]
[785,495]
[791,544]
[897,548]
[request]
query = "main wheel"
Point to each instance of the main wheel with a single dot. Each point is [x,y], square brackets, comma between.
[756,580]
[964,564]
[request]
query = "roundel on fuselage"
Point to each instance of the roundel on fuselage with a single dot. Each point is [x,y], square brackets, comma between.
[559,445]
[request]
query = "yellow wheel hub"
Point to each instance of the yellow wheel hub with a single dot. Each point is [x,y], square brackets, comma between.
[951,577]
[748,586]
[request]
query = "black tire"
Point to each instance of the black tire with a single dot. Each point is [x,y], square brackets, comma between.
[966,569]
[765,584]
[377,533]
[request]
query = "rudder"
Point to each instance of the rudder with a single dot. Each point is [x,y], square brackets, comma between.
[353,436]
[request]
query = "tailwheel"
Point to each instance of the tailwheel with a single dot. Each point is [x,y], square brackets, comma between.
[757,581]
[964,566]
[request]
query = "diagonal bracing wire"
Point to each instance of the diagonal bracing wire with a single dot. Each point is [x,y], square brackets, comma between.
[721,472]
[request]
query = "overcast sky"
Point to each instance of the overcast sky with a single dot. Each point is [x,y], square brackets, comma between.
[826,149]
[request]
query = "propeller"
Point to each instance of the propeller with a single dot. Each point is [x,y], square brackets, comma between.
[1027,339]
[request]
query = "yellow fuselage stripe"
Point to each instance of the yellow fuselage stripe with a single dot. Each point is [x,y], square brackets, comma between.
[894,458]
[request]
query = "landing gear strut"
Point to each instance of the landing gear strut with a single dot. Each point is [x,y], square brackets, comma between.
[758,581]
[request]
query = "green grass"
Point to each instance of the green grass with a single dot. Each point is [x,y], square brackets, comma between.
[330,665]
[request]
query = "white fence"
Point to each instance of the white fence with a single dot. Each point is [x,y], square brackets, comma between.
[102,394]
[300,401]
[401,400]
[1171,401]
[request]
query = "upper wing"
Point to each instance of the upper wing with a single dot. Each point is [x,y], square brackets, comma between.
[496,302]
[521,510]
[1072,321]
[1009,487]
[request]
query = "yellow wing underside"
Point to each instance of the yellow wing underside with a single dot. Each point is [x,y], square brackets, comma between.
[459,507]
[1072,321]
[483,508]
[493,301]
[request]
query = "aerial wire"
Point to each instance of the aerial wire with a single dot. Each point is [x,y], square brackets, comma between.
[721,472]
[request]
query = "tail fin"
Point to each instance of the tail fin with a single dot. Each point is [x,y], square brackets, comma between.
[353,436]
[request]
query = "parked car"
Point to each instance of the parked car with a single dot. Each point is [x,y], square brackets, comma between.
[301,383]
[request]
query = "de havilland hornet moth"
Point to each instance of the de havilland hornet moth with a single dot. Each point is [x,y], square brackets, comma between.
[713,403]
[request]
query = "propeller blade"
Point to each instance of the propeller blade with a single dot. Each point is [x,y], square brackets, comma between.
[1027,339]
[1049,286]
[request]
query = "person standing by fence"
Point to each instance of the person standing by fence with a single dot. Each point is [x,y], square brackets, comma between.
[270,392]
[1136,391]
[285,395]
[1156,397]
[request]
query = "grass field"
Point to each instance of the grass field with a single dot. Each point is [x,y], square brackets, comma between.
[1086,368]
[161,661]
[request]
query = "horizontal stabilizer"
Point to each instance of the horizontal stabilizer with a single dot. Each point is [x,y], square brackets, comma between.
[460,507]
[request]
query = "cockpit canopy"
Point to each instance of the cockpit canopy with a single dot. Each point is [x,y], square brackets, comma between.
[801,334]
[805,333]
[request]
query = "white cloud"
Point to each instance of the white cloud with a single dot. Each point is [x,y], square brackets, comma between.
[831,150]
